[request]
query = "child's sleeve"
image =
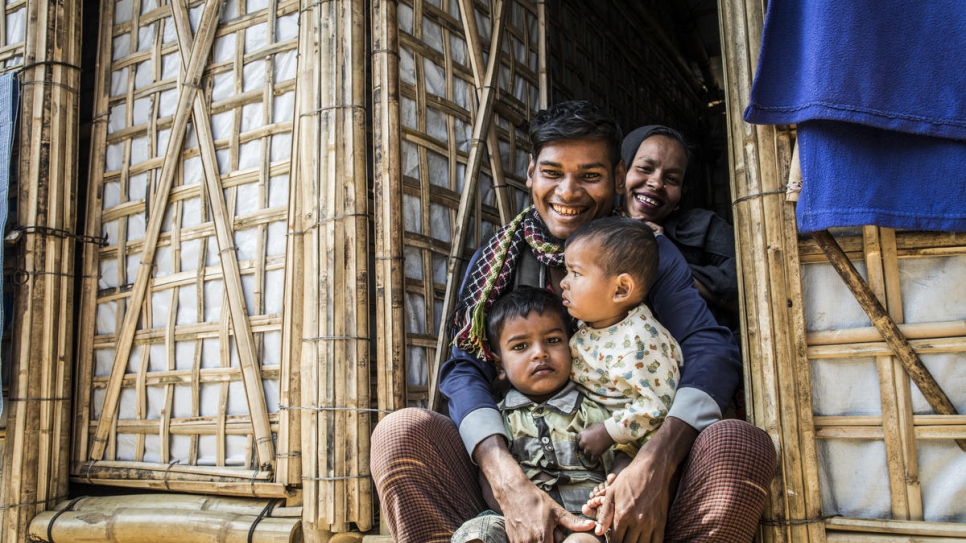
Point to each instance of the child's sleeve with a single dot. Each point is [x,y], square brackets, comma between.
[650,379]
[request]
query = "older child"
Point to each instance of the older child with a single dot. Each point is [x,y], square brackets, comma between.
[624,358]
[528,330]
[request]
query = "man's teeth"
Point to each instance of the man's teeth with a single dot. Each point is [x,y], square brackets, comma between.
[647,201]
[569,211]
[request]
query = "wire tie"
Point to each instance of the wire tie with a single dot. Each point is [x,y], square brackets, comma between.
[756,195]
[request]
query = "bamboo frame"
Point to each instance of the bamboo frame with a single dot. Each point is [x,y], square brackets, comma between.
[906,356]
[773,327]
[38,406]
[244,204]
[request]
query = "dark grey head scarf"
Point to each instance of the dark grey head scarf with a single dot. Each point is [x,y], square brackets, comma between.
[633,141]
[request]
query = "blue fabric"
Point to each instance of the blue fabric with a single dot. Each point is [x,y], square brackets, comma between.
[877,90]
[712,362]
[891,64]
[9,91]
[855,175]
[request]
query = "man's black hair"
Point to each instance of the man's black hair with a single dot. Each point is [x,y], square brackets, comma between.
[520,302]
[624,245]
[576,120]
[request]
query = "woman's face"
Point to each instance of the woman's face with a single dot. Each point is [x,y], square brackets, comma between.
[654,182]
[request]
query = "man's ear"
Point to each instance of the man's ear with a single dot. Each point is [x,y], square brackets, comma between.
[626,287]
[530,168]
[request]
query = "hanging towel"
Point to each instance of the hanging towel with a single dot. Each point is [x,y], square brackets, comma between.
[9,91]
[878,89]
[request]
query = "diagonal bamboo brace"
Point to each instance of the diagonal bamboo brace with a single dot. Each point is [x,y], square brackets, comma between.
[887,327]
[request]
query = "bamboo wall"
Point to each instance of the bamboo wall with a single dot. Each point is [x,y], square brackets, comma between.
[180,357]
[833,328]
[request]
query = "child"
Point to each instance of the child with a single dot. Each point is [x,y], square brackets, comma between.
[528,330]
[624,358]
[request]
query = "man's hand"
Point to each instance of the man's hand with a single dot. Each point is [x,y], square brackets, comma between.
[531,514]
[638,499]
[594,440]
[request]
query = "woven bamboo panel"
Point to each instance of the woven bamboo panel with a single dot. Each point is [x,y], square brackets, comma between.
[613,54]
[437,111]
[882,451]
[184,303]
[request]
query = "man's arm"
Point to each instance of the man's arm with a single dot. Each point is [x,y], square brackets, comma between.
[711,372]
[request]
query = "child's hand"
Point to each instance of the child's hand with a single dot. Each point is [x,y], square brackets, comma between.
[595,504]
[594,440]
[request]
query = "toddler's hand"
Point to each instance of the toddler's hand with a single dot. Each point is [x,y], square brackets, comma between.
[594,440]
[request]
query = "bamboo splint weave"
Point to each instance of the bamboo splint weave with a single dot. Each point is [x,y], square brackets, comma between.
[456,115]
[619,55]
[180,356]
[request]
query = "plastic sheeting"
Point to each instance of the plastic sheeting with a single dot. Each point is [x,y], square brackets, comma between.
[853,472]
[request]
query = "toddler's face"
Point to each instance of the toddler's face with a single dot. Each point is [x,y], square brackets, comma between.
[588,292]
[534,354]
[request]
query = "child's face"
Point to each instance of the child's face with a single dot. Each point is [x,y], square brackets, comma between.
[534,354]
[588,292]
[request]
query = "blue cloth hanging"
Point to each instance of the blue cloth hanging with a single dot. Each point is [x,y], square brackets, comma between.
[877,90]
[9,102]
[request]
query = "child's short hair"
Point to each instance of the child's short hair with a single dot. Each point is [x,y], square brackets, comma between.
[520,302]
[625,245]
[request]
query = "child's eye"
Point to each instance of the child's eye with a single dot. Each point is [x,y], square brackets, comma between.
[519,347]
[553,340]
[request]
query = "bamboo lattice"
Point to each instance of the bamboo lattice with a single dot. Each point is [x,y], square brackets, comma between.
[181,367]
[456,116]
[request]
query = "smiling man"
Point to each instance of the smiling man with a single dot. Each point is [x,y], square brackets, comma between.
[427,483]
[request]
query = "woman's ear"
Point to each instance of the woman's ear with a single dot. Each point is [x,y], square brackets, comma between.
[626,288]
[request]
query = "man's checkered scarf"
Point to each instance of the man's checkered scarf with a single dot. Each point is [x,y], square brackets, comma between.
[493,275]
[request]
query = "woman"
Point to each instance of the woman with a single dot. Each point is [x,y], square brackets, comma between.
[657,160]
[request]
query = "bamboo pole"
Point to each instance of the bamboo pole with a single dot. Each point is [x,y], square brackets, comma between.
[475,51]
[774,349]
[899,527]
[387,201]
[899,434]
[870,334]
[199,55]
[162,525]
[219,504]
[480,125]
[910,361]
[36,440]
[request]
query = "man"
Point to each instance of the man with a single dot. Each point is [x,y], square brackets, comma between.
[427,485]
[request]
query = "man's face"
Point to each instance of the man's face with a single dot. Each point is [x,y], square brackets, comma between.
[573,182]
